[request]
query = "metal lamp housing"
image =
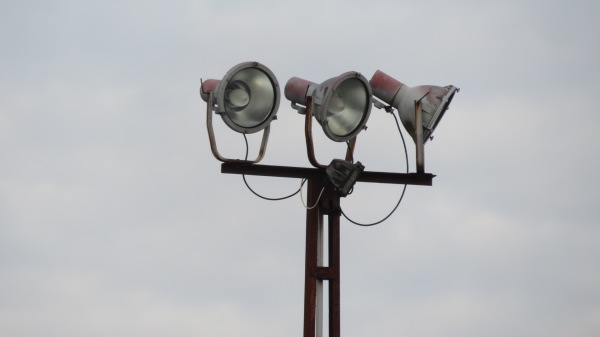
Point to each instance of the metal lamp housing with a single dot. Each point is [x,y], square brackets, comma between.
[341,104]
[434,102]
[247,98]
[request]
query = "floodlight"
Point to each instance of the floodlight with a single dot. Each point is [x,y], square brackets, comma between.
[434,102]
[247,99]
[341,104]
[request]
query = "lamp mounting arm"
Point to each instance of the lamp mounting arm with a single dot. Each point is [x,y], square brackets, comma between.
[213,142]
[419,141]
[300,109]
[310,148]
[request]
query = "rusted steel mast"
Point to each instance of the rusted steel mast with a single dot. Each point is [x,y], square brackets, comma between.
[326,202]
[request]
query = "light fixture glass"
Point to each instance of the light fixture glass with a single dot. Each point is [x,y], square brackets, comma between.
[247,98]
[346,108]
[341,104]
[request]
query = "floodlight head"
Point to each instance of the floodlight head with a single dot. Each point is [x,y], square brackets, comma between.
[341,104]
[434,101]
[247,98]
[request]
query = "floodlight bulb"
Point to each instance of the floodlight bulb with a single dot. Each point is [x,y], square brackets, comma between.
[336,105]
[237,96]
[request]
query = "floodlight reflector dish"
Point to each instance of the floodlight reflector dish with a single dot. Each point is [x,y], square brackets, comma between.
[434,102]
[247,98]
[345,108]
[341,104]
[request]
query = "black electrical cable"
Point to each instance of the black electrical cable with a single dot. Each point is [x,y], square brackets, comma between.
[403,190]
[263,197]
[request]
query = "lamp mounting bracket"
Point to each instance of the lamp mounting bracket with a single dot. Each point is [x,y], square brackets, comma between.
[213,142]
[310,148]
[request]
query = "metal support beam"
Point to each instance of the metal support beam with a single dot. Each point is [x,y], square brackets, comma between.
[419,140]
[424,179]
[316,270]
[311,260]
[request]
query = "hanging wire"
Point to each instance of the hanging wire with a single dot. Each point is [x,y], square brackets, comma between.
[391,111]
[316,202]
[261,196]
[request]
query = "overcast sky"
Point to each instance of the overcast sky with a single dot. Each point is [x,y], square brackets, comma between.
[116,221]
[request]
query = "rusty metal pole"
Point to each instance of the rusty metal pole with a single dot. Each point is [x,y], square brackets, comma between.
[333,231]
[311,260]
[316,269]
